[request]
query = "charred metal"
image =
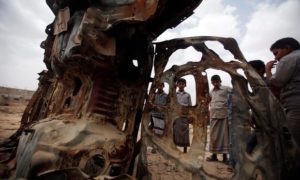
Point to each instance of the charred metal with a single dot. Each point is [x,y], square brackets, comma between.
[84,118]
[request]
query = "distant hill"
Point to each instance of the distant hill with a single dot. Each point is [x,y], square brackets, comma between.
[15,94]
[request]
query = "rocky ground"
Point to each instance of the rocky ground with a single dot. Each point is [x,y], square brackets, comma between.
[13,103]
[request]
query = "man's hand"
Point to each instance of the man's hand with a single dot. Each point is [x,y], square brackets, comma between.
[269,67]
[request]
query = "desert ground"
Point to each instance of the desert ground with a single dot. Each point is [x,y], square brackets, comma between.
[13,102]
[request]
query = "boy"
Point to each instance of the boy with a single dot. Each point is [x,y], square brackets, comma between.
[159,102]
[181,125]
[219,120]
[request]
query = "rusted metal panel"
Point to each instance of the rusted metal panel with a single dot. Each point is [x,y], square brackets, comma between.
[61,22]
[261,102]
[85,119]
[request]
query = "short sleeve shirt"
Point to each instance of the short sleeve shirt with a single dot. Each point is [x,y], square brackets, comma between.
[161,98]
[184,98]
[218,103]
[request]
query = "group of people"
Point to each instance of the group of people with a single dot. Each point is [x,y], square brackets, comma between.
[284,83]
[181,125]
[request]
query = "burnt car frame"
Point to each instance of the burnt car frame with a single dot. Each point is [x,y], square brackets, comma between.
[84,118]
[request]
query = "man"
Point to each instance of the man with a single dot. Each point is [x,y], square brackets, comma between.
[181,125]
[287,78]
[259,67]
[159,102]
[219,120]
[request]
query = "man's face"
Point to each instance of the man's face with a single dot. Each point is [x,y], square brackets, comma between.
[279,53]
[181,86]
[160,87]
[216,83]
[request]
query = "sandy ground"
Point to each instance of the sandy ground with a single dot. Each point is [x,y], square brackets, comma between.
[161,169]
[10,117]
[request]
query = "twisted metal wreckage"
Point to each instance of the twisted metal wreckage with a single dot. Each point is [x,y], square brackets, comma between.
[84,118]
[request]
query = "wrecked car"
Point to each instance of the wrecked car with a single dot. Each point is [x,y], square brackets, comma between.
[83,120]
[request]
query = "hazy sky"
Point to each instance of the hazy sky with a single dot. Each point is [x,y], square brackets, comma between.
[255,24]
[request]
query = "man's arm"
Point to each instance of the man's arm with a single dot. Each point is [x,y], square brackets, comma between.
[284,72]
[269,67]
